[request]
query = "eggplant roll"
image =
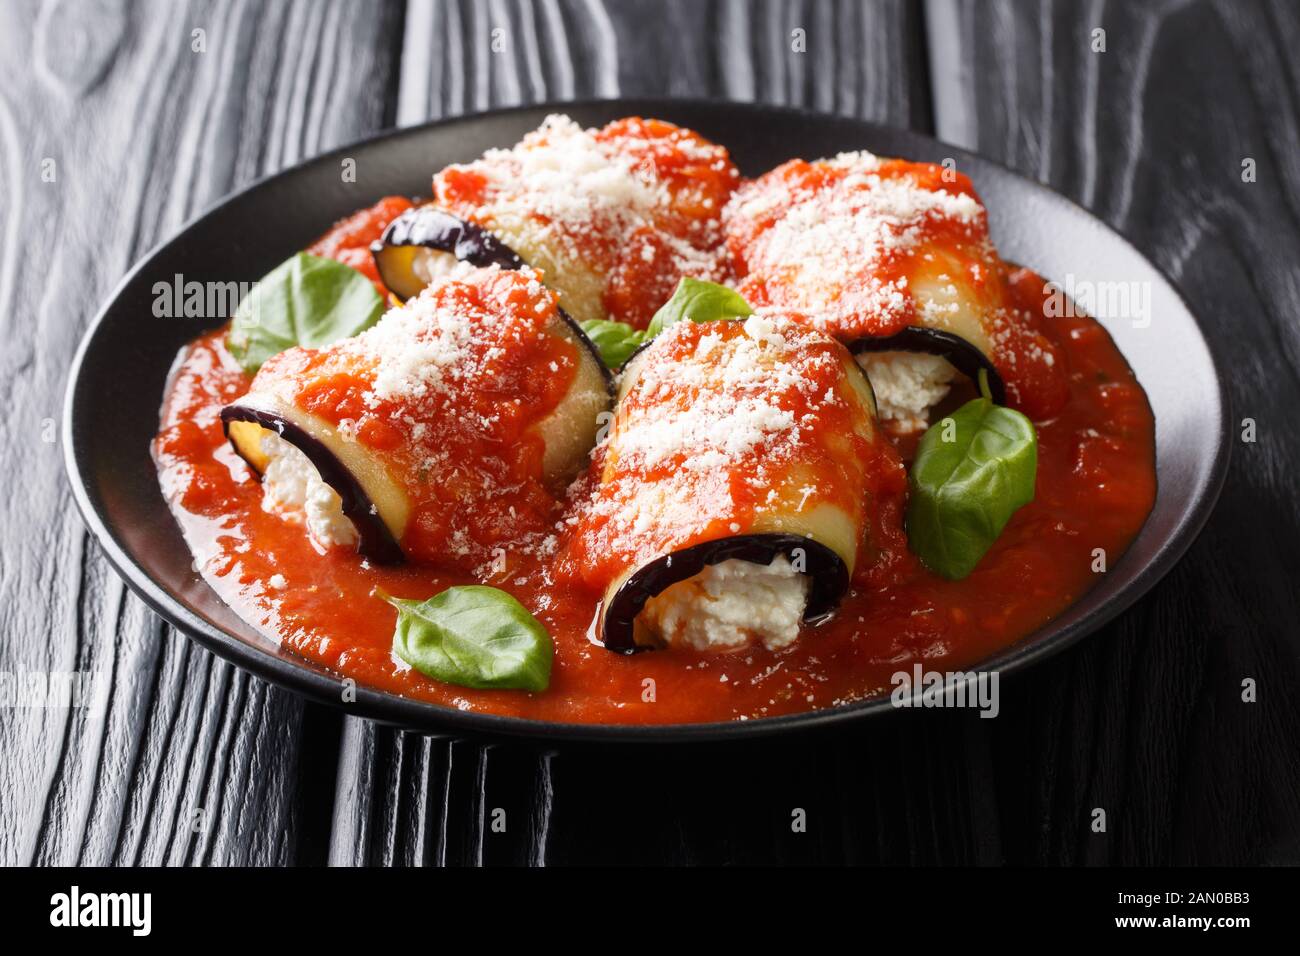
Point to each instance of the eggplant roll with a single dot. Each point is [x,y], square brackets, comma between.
[447,430]
[733,495]
[612,218]
[894,259]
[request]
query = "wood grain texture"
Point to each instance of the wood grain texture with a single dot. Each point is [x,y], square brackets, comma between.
[1146,719]
[466,55]
[190,760]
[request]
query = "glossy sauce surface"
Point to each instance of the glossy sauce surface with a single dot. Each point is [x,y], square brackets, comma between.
[1096,484]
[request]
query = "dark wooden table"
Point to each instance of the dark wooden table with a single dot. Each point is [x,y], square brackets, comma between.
[193,761]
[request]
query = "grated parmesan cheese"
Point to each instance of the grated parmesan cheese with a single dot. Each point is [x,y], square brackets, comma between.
[822,245]
[583,205]
[714,419]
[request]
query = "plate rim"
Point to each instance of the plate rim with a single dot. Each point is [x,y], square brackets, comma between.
[316,683]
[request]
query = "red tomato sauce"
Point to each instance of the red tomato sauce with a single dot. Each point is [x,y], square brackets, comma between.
[1096,484]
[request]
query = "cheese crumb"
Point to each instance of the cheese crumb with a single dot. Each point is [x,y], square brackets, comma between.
[293,489]
[730,605]
[907,386]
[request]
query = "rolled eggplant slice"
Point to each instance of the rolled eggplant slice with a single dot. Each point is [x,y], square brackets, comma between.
[445,432]
[266,432]
[426,242]
[611,217]
[871,248]
[692,594]
[734,496]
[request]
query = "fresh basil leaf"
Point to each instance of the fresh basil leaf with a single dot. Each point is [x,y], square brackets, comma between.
[615,341]
[473,636]
[306,300]
[972,471]
[698,301]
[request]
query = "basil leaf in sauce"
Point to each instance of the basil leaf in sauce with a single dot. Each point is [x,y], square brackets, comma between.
[972,471]
[473,636]
[615,341]
[307,300]
[698,301]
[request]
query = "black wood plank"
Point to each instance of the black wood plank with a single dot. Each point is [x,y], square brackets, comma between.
[1146,719]
[847,61]
[190,760]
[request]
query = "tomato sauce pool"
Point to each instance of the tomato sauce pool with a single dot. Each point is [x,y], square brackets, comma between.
[1096,484]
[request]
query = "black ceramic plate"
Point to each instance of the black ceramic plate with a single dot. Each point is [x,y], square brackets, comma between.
[117,379]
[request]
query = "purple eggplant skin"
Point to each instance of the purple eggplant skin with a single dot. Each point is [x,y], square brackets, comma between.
[375,541]
[964,356]
[826,569]
[433,228]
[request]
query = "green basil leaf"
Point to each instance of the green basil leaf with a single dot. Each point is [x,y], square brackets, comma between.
[473,636]
[698,301]
[306,300]
[972,471]
[615,341]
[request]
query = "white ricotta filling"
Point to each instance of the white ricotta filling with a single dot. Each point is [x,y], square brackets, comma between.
[907,385]
[429,264]
[292,488]
[730,605]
